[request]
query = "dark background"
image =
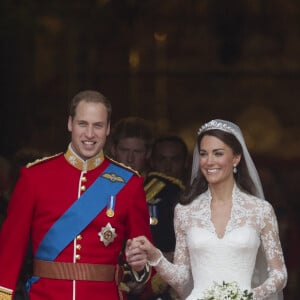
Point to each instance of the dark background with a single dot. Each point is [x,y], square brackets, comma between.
[176,63]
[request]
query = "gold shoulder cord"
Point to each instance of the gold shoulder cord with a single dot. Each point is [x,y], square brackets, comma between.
[124,166]
[152,188]
[169,178]
[39,160]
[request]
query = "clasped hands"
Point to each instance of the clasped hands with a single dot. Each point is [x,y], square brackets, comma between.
[140,251]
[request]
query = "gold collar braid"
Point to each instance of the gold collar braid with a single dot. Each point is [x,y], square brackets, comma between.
[83,165]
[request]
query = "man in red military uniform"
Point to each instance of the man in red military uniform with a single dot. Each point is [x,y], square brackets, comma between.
[78,209]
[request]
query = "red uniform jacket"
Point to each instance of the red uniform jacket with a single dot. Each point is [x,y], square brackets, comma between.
[43,193]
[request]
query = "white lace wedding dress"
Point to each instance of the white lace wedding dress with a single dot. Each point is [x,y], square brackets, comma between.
[201,257]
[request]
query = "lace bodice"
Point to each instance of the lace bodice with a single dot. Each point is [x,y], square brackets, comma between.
[201,257]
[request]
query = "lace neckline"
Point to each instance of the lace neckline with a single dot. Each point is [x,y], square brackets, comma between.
[229,226]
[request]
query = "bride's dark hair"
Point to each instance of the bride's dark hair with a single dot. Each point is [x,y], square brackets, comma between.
[242,177]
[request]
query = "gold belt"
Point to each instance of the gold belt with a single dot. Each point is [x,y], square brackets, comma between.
[74,271]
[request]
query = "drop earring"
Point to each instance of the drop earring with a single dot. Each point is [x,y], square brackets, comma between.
[234,169]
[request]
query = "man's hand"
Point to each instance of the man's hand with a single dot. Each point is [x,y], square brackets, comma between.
[135,256]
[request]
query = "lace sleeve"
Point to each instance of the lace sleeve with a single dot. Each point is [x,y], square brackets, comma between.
[177,274]
[277,273]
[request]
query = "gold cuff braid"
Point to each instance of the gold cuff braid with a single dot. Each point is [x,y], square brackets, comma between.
[5,295]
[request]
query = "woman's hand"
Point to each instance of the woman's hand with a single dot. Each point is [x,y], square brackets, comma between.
[139,251]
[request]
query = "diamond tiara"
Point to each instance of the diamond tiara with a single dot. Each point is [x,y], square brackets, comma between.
[216,124]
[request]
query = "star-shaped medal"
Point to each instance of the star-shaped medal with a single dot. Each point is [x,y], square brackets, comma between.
[107,234]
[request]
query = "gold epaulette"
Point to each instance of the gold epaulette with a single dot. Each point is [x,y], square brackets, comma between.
[39,160]
[124,166]
[169,178]
[5,294]
[152,188]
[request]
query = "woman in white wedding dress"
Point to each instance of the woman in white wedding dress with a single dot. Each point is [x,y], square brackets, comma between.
[225,230]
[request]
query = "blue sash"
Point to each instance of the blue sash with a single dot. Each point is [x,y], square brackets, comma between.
[81,213]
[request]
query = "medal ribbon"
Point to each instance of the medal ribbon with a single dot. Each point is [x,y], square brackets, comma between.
[153,214]
[111,203]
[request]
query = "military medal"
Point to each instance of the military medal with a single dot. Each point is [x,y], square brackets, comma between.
[153,214]
[153,221]
[107,234]
[110,211]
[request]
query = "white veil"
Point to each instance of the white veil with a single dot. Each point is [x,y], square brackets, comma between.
[260,273]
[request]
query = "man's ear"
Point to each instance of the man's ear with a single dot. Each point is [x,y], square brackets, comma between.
[70,123]
[108,129]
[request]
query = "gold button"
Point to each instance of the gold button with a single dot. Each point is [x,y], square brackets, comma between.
[83,179]
[79,237]
[78,247]
[83,188]
[77,256]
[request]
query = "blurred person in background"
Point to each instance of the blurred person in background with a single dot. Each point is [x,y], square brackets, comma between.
[164,185]
[131,142]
